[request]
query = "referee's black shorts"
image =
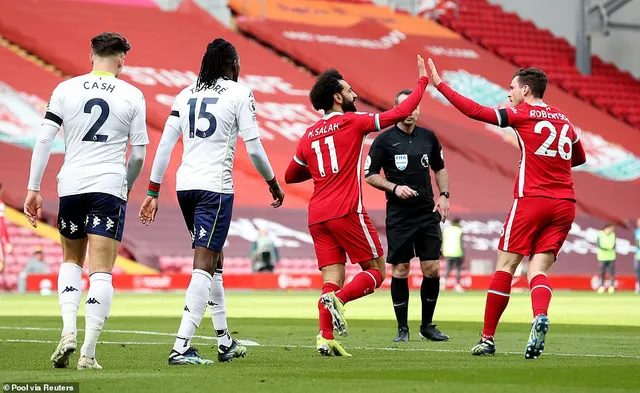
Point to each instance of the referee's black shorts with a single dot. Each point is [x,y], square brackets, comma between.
[413,233]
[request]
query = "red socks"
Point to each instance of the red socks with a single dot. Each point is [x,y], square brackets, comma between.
[364,283]
[497,300]
[326,321]
[541,293]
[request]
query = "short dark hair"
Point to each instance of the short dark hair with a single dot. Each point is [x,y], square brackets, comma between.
[456,221]
[327,84]
[217,62]
[109,44]
[535,78]
[404,92]
[610,225]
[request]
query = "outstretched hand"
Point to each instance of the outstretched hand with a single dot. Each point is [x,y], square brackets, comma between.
[433,74]
[422,71]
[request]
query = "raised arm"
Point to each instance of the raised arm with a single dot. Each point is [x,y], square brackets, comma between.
[465,105]
[405,108]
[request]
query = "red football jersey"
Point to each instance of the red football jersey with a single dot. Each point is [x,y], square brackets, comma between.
[546,138]
[332,151]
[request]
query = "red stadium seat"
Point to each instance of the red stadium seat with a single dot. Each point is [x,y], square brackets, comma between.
[508,36]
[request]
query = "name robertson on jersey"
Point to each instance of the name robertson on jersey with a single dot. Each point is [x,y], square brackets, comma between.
[99,86]
[547,115]
[323,130]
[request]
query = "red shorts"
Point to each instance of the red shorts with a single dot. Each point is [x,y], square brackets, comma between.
[351,235]
[536,225]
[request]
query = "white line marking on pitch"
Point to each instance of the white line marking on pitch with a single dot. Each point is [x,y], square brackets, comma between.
[243,342]
[253,343]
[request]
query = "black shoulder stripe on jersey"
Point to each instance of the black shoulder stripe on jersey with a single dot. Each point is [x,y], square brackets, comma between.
[504,118]
[175,113]
[53,117]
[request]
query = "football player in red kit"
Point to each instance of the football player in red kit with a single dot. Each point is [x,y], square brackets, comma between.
[330,153]
[544,201]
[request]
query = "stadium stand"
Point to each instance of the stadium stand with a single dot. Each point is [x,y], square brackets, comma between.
[167,49]
[524,44]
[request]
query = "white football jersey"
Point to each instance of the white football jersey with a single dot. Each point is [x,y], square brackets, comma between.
[210,121]
[99,114]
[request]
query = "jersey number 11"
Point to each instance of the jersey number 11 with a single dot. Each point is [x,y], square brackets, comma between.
[315,145]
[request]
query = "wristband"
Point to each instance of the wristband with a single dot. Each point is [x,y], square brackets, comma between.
[153,190]
[272,182]
[394,189]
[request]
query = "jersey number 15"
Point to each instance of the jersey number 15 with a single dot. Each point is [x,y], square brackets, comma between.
[202,114]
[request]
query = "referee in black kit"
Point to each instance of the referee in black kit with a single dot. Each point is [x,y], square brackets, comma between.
[405,153]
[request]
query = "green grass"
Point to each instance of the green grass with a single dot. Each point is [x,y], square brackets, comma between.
[592,346]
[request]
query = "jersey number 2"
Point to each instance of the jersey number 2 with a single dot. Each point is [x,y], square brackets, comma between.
[202,114]
[544,150]
[315,145]
[92,135]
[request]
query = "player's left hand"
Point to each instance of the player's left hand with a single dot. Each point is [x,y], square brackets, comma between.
[148,210]
[33,207]
[433,73]
[278,195]
[442,206]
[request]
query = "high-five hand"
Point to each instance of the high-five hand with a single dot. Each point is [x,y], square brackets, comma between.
[422,71]
[433,74]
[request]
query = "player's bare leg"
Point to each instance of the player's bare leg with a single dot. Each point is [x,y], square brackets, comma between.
[497,300]
[228,348]
[195,304]
[99,297]
[541,293]
[333,277]
[429,291]
[69,296]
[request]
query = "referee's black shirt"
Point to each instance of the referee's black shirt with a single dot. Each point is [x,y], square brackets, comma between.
[406,159]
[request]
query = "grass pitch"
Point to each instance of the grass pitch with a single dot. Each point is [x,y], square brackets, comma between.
[592,346]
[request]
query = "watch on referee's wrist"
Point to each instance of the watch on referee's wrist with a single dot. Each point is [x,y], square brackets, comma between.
[445,194]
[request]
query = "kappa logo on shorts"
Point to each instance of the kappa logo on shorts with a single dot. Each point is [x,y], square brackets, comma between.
[425,160]
[202,233]
[109,223]
[63,224]
[72,227]
[402,160]
[96,221]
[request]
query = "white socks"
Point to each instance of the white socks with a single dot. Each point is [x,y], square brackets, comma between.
[97,307]
[69,295]
[218,309]
[195,304]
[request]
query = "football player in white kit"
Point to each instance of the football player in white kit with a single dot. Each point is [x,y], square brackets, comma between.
[208,115]
[100,114]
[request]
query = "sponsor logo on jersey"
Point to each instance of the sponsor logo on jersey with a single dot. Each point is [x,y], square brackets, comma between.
[402,160]
[425,160]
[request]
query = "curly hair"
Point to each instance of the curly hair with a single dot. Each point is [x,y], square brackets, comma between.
[327,84]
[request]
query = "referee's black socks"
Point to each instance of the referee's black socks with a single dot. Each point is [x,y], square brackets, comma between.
[400,299]
[429,291]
